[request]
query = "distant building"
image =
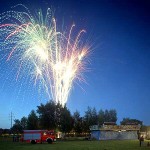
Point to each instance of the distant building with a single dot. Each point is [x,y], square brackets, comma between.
[111,131]
[145,132]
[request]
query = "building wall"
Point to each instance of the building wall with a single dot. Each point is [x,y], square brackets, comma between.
[124,135]
[114,135]
[95,134]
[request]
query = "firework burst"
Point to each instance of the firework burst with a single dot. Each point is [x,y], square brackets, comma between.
[51,57]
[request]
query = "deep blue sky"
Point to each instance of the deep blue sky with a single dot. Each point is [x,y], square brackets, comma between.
[119,76]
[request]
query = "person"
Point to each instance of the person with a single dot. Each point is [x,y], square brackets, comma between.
[148,144]
[141,141]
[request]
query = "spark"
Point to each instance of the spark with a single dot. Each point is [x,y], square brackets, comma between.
[50,56]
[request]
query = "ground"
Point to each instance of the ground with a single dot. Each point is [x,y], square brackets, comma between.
[6,144]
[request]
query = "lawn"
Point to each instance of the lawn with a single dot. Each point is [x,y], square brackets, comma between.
[74,145]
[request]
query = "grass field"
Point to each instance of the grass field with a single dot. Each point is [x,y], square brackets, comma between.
[74,145]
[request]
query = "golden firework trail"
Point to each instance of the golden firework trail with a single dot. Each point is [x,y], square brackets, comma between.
[51,57]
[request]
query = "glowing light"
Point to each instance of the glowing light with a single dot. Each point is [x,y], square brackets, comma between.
[55,59]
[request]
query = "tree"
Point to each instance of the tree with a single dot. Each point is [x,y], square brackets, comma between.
[112,115]
[90,118]
[23,122]
[47,115]
[94,120]
[77,120]
[106,116]
[58,112]
[17,128]
[32,123]
[101,116]
[66,121]
[54,116]
[126,121]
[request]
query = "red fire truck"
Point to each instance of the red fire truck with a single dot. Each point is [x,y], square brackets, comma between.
[38,136]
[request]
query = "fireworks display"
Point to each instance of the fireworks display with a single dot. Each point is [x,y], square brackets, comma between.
[53,58]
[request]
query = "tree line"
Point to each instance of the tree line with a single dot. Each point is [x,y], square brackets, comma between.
[54,116]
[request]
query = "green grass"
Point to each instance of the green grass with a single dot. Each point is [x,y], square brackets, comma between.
[7,144]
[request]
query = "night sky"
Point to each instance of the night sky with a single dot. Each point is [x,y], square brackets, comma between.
[118,72]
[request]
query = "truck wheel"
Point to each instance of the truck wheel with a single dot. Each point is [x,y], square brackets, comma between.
[49,141]
[33,142]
